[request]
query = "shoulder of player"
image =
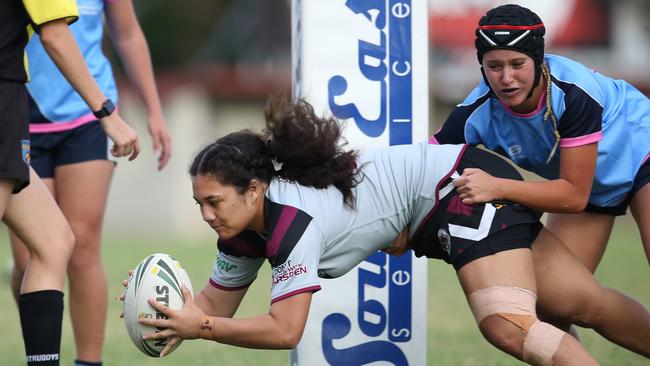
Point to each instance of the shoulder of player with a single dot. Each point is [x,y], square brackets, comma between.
[574,79]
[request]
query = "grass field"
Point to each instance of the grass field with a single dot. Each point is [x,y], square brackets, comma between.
[453,339]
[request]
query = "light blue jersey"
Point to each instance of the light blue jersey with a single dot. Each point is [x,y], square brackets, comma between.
[56,105]
[589,107]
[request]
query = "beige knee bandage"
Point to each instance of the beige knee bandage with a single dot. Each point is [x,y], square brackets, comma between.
[517,305]
[541,343]
[502,300]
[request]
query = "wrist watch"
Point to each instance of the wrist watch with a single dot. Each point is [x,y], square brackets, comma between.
[107,108]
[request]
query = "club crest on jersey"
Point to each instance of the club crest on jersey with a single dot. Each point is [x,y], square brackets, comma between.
[25,151]
[445,240]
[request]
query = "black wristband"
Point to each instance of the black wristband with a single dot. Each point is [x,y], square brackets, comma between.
[107,108]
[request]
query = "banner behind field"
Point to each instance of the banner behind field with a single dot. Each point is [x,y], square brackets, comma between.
[366,62]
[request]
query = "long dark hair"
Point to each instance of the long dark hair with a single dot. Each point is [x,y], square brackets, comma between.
[296,145]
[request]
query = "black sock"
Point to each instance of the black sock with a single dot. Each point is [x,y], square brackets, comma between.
[41,315]
[86,363]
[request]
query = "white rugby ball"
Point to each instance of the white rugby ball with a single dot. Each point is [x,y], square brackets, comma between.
[159,276]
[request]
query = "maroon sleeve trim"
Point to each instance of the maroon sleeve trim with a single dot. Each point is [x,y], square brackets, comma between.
[296,292]
[226,288]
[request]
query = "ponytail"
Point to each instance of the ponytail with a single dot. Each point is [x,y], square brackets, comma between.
[296,145]
[308,147]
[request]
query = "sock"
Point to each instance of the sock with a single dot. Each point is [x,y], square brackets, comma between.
[86,363]
[41,315]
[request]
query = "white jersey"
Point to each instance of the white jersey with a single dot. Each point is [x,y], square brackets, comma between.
[312,233]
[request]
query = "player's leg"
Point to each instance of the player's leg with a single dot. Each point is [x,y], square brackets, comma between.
[82,179]
[20,253]
[585,302]
[585,234]
[489,246]
[42,164]
[6,186]
[34,216]
[640,207]
[82,190]
[500,289]
[20,256]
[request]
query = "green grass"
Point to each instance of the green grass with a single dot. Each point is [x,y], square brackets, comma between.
[453,339]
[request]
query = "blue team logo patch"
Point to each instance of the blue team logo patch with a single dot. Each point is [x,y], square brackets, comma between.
[24,147]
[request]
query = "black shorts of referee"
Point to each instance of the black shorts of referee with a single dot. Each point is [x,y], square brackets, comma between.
[14,134]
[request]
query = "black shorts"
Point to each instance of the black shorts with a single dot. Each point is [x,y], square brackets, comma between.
[14,134]
[84,143]
[460,233]
[640,180]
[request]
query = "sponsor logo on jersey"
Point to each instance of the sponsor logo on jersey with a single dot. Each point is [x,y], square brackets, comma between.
[287,271]
[225,265]
[514,152]
[89,7]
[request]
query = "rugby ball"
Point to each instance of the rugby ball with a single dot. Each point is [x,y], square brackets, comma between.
[159,276]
